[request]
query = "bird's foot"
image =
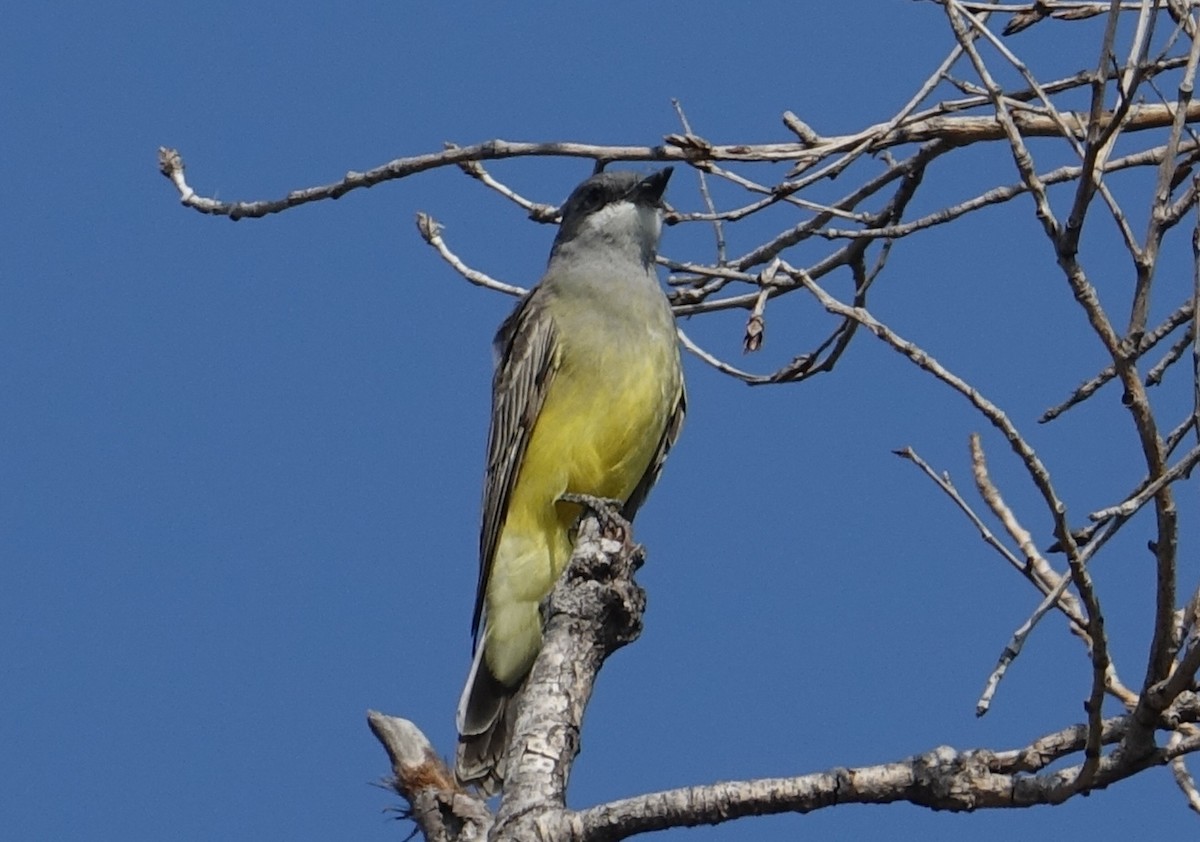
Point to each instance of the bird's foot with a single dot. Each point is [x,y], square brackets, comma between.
[608,511]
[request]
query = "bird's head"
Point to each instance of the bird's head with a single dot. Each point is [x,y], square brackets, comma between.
[620,212]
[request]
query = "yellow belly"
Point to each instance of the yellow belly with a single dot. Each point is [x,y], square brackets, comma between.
[598,430]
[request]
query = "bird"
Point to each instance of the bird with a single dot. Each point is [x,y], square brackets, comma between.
[587,399]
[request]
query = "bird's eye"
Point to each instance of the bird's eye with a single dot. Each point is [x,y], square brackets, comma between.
[593,197]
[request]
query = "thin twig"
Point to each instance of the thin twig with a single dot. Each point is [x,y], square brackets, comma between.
[1175,353]
[718,230]
[1183,778]
[537,211]
[718,364]
[943,482]
[1195,304]
[997,195]
[1148,258]
[431,232]
[1181,315]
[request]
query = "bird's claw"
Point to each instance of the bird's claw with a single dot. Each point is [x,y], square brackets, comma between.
[608,512]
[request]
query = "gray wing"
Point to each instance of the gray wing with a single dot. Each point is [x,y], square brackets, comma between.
[669,436]
[527,360]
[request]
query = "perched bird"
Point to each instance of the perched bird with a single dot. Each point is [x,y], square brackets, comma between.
[587,398]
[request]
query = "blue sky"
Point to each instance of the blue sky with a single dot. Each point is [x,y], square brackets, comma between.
[241,462]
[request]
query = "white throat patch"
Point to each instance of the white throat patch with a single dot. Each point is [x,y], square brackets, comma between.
[624,220]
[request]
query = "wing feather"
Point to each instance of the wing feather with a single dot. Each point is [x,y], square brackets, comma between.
[670,435]
[527,360]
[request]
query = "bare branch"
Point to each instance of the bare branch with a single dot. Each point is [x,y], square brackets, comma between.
[956,131]
[1196,304]
[1183,778]
[593,610]
[1160,209]
[943,482]
[537,211]
[441,809]
[943,779]
[431,232]
[718,231]
[1123,510]
[718,364]
[1175,353]
[1181,315]
[1066,240]
[998,195]
[1041,478]
[1036,569]
[924,361]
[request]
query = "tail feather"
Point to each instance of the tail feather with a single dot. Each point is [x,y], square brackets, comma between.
[480,758]
[483,728]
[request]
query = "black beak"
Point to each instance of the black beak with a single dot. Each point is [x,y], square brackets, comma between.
[651,188]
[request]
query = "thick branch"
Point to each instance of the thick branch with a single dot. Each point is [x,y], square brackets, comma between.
[595,608]
[942,779]
[439,807]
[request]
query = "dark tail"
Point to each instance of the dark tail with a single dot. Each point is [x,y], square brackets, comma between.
[483,728]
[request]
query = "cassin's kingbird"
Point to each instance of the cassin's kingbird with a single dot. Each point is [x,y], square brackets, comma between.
[587,398]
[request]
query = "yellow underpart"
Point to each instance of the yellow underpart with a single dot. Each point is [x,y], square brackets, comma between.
[598,430]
